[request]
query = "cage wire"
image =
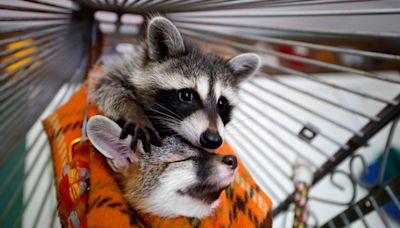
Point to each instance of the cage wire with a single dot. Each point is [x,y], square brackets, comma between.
[328,93]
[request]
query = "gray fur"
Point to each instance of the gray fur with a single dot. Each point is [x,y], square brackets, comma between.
[165,61]
[168,172]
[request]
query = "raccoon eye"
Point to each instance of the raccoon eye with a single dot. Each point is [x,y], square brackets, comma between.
[185,95]
[222,103]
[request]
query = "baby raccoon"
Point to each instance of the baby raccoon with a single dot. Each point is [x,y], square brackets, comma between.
[169,87]
[173,180]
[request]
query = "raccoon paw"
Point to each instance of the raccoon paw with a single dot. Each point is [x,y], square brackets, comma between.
[145,132]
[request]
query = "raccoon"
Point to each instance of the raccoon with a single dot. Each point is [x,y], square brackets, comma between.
[168,86]
[173,180]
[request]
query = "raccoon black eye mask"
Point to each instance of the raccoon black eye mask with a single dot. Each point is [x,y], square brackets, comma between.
[168,86]
[175,179]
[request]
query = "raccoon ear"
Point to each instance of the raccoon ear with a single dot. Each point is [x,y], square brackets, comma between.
[104,134]
[244,66]
[163,39]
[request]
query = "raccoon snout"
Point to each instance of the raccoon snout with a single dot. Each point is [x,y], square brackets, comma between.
[210,139]
[230,161]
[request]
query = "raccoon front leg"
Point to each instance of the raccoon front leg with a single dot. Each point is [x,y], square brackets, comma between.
[141,128]
[114,96]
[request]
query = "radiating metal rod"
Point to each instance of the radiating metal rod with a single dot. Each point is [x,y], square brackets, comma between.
[19,166]
[48,30]
[29,28]
[24,66]
[345,220]
[317,80]
[375,198]
[287,56]
[385,156]
[306,31]
[29,18]
[292,3]
[387,114]
[379,211]
[351,110]
[329,120]
[18,112]
[155,5]
[292,87]
[256,4]
[124,3]
[392,196]
[265,154]
[42,204]
[19,94]
[19,188]
[165,4]
[133,3]
[46,62]
[191,3]
[15,109]
[204,5]
[246,35]
[288,146]
[54,216]
[292,117]
[19,119]
[35,43]
[280,140]
[304,13]
[30,197]
[256,146]
[197,5]
[360,215]
[39,50]
[257,162]
[33,10]
[50,4]
[235,4]
[5,110]
[286,129]
[22,123]
[146,5]
[14,85]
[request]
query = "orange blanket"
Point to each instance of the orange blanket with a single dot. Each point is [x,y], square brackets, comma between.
[89,196]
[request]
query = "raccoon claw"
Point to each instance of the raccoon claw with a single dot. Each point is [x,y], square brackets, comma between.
[126,130]
[148,135]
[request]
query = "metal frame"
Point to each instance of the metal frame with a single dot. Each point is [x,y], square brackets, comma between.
[376,198]
[56,34]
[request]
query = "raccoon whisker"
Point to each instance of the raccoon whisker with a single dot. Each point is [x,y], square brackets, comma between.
[165,117]
[178,115]
[232,134]
[162,120]
[171,124]
[165,114]
[169,110]
[237,122]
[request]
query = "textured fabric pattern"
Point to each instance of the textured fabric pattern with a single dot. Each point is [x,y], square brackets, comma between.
[242,205]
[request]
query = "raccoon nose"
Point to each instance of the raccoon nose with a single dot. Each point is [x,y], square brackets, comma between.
[210,140]
[230,160]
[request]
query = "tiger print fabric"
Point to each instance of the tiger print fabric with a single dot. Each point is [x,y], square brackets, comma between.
[99,202]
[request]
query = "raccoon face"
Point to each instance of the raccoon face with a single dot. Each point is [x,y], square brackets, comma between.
[173,180]
[193,92]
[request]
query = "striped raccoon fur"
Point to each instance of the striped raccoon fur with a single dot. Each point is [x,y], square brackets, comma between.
[169,87]
[175,179]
